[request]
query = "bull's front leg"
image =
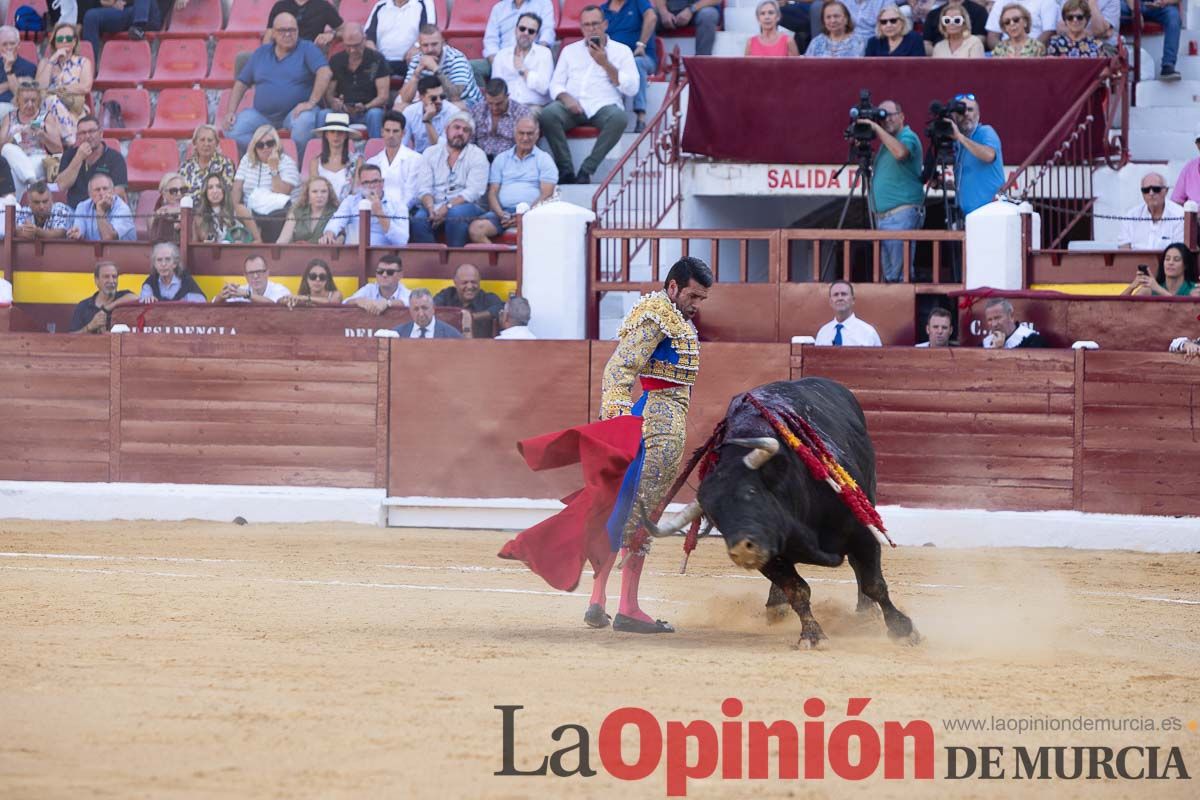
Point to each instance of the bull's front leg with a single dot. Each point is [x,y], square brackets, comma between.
[783,575]
[869,571]
[777,605]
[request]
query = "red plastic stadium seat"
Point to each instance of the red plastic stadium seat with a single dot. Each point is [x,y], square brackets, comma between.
[28,50]
[223,105]
[372,148]
[247,16]
[180,62]
[468,17]
[135,108]
[570,18]
[583,132]
[197,18]
[146,201]
[311,151]
[221,76]
[179,112]
[289,147]
[356,10]
[442,11]
[149,159]
[124,63]
[471,46]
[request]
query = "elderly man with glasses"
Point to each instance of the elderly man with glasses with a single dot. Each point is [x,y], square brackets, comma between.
[289,77]
[90,156]
[12,67]
[1153,223]
[978,159]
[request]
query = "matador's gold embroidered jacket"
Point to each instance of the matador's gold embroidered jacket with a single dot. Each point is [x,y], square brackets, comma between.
[654,340]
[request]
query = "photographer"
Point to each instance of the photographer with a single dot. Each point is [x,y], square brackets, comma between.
[978,160]
[897,192]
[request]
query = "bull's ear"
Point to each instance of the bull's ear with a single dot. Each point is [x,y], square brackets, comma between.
[763,449]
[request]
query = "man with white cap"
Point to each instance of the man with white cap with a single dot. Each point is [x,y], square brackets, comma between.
[453,178]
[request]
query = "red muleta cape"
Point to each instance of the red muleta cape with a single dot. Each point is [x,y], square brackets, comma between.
[557,548]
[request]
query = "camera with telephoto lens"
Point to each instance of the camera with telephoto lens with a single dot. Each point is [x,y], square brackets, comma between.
[858,129]
[941,123]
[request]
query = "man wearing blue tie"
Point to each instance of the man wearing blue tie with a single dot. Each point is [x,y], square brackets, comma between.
[846,329]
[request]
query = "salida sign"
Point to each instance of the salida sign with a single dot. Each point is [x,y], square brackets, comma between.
[810,178]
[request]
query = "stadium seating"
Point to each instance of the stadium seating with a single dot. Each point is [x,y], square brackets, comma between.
[180,62]
[247,16]
[148,160]
[125,63]
[372,148]
[356,10]
[197,18]
[223,105]
[220,75]
[569,26]
[468,17]
[471,46]
[135,107]
[179,111]
[146,201]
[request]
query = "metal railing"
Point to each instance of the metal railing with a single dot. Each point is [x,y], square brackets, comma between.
[1056,177]
[644,186]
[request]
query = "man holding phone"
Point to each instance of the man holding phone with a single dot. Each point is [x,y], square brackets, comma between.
[589,87]
[389,225]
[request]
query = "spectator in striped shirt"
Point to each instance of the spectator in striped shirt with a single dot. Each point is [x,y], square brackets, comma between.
[43,218]
[444,62]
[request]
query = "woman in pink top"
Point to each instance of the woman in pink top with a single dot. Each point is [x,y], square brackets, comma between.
[770,42]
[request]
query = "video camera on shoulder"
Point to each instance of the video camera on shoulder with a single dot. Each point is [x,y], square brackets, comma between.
[858,129]
[941,123]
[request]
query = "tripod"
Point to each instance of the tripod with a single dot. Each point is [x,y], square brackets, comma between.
[859,152]
[942,160]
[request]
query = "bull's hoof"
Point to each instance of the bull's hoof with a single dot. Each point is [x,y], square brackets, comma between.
[869,610]
[595,616]
[804,643]
[911,640]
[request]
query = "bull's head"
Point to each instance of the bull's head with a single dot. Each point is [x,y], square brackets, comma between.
[738,496]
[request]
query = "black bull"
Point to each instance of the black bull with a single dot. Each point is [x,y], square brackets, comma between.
[773,514]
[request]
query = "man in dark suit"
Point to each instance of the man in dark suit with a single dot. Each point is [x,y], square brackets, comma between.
[424,326]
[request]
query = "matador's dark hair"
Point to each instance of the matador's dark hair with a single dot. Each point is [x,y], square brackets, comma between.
[687,269]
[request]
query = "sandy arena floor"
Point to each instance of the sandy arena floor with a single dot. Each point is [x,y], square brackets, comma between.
[210,660]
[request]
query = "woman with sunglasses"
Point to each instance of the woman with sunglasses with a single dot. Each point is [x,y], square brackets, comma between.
[64,72]
[1076,42]
[1177,275]
[307,220]
[894,36]
[265,180]
[316,287]
[1017,23]
[957,41]
[164,226]
[837,38]
[219,220]
[770,42]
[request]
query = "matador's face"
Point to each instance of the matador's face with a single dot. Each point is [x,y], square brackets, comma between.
[687,299]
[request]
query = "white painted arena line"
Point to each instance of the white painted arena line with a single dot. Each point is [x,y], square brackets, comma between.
[314,582]
[475,568]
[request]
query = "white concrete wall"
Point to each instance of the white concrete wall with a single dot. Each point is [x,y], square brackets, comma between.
[554,269]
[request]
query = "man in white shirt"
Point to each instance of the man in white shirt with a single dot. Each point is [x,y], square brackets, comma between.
[1155,222]
[938,328]
[386,292]
[526,66]
[259,288]
[388,223]
[514,319]
[393,25]
[400,165]
[501,25]
[590,83]
[846,330]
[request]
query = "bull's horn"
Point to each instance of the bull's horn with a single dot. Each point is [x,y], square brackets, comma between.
[675,524]
[764,448]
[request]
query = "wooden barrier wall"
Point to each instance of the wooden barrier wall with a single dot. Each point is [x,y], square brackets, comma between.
[1054,429]
[957,428]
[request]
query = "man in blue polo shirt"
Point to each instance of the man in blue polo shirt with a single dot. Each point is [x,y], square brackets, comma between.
[522,174]
[632,23]
[289,78]
[978,161]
